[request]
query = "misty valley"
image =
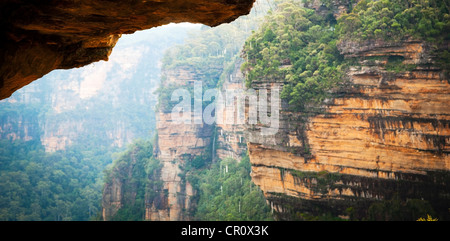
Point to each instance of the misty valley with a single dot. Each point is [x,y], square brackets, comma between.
[342,114]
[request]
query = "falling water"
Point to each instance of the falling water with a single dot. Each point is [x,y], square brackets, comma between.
[213,153]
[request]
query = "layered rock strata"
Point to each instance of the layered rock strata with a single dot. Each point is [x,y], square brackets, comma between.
[177,144]
[385,134]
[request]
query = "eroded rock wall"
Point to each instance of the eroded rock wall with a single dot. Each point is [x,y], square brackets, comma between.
[385,134]
[177,144]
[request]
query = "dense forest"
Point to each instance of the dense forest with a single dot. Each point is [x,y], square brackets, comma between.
[227,193]
[224,188]
[62,186]
[299,46]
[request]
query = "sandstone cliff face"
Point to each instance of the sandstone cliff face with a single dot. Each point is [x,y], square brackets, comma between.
[231,140]
[385,134]
[38,37]
[18,127]
[177,144]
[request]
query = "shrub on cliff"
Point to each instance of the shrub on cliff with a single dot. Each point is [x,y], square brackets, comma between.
[396,19]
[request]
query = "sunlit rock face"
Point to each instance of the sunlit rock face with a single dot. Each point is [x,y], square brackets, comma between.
[40,36]
[382,139]
[384,135]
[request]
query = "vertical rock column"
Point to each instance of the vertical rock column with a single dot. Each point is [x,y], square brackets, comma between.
[177,144]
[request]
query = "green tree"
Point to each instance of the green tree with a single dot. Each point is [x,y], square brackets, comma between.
[226,192]
[296,46]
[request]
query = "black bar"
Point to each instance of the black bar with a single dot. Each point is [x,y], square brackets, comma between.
[225,230]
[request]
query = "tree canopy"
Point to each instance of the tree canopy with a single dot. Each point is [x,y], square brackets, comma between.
[298,47]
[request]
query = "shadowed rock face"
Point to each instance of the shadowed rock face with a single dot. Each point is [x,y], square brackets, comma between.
[39,36]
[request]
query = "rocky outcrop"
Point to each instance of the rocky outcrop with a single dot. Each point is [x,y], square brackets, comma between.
[177,145]
[385,134]
[124,189]
[112,198]
[40,36]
